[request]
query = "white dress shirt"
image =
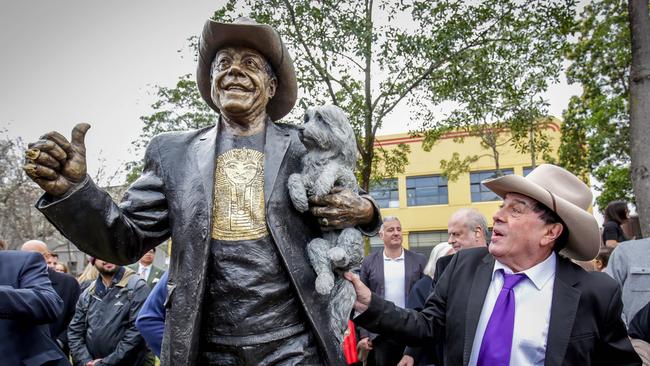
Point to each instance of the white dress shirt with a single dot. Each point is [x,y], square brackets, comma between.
[394,281]
[533,297]
[147,270]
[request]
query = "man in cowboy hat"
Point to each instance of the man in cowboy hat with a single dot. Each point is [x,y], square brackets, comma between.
[240,287]
[525,303]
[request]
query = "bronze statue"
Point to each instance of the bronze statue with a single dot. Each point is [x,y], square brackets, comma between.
[241,288]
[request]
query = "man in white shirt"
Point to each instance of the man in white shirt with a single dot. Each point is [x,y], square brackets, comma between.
[145,268]
[390,273]
[524,302]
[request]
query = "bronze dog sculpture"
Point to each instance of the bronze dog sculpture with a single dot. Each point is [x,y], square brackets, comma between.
[329,163]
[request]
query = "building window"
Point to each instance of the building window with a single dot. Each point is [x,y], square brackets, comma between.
[480,193]
[527,170]
[386,193]
[423,241]
[426,190]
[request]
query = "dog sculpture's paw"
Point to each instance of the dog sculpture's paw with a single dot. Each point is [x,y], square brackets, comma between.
[339,257]
[320,188]
[324,283]
[298,193]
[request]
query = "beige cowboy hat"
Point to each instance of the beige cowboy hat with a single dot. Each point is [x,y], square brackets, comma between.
[563,193]
[263,38]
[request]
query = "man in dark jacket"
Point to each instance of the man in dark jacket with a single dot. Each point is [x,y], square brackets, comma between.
[390,273]
[221,194]
[103,330]
[27,304]
[68,290]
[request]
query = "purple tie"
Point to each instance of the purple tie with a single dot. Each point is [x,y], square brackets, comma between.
[497,339]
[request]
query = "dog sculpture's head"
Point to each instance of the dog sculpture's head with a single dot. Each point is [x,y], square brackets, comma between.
[326,128]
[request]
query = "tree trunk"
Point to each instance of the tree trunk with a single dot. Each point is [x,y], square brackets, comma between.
[640,109]
[533,152]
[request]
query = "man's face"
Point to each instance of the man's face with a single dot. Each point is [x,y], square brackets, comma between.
[147,258]
[106,268]
[461,236]
[51,261]
[518,230]
[391,234]
[240,83]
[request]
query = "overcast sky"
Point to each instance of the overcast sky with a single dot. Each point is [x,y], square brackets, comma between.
[70,61]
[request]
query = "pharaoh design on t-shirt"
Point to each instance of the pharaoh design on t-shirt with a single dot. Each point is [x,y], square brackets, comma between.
[238,211]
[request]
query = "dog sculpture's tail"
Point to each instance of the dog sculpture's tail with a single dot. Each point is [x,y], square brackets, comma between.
[340,305]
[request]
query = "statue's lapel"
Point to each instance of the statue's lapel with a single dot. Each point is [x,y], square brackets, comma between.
[275,147]
[205,158]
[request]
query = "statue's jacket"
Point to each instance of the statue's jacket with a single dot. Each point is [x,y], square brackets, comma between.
[173,198]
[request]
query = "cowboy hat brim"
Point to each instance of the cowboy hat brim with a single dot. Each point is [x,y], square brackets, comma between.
[260,37]
[584,236]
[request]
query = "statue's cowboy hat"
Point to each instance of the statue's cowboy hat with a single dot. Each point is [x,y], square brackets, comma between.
[564,193]
[245,32]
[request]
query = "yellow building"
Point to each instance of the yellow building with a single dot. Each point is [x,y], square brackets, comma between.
[423,200]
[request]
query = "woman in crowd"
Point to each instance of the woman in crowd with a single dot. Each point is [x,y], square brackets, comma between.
[60,267]
[616,213]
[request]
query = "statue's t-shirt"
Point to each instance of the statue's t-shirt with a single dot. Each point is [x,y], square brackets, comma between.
[248,298]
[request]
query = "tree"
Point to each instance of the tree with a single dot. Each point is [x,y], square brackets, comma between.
[596,134]
[640,108]
[19,220]
[177,109]
[371,57]
[356,55]
[497,88]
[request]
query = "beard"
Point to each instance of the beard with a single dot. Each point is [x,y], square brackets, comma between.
[104,271]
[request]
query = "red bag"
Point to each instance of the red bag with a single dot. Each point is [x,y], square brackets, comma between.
[350,344]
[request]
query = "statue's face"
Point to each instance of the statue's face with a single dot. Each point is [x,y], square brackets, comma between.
[240,82]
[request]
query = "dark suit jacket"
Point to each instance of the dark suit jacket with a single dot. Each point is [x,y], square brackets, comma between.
[68,290]
[585,326]
[441,265]
[27,304]
[173,197]
[372,274]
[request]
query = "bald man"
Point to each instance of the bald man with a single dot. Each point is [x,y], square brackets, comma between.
[66,287]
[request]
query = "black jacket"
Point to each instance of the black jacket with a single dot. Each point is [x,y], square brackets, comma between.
[104,327]
[372,274]
[68,290]
[173,197]
[585,327]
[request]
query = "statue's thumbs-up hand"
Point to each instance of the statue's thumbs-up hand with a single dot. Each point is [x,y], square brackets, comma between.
[56,164]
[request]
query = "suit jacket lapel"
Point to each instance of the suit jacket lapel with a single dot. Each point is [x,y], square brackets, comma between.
[380,268]
[480,285]
[407,273]
[152,274]
[563,312]
[275,147]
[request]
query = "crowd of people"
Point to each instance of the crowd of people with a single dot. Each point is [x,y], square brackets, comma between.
[109,314]
[49,317]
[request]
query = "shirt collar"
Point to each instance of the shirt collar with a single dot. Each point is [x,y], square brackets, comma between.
[538,274]
[400,258]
